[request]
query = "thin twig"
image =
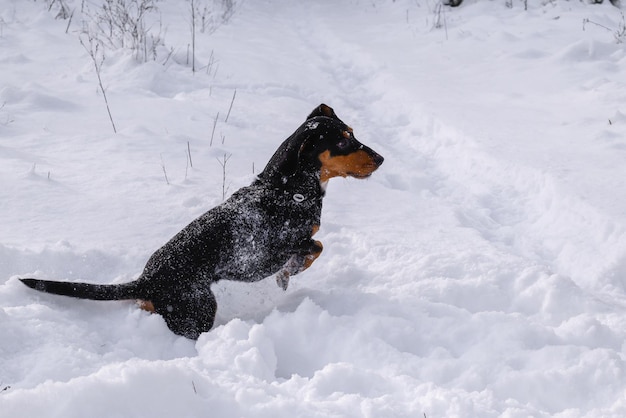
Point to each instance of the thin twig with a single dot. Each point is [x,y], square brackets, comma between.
[214,125]
[168,56]
[92,50]
[193,36]
[223,162]
[445,22]
[210,64]
[164,171]
[618,33]
[69,22]
[585,21]
[231,106]
[189,153]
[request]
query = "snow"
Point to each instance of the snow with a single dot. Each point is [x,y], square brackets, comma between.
[480,272]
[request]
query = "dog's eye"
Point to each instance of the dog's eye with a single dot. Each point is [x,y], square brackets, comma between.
[343,143]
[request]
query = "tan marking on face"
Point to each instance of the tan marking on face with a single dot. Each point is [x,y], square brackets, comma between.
[146,305]
[346,134]
[356,164]
[315,229]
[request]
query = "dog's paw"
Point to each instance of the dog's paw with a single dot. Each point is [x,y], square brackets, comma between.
[282,279]
[293,266]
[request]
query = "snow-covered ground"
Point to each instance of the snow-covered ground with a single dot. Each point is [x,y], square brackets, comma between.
[481,272]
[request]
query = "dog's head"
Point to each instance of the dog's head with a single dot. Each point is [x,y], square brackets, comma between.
[324,144]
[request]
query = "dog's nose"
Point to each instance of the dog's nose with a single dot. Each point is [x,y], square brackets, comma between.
[377,158]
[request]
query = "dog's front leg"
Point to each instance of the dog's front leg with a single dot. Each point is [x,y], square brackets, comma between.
[299,262]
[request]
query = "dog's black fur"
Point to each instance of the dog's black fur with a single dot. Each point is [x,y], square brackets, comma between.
[260,230]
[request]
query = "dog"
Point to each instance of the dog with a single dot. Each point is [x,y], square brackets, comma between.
[261,230]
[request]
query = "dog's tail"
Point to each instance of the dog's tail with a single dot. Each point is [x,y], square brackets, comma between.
[85,290]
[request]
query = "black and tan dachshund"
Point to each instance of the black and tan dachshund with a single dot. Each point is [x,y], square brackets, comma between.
[261,230]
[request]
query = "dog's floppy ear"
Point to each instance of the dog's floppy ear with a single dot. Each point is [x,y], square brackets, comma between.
[323,110]
[286,159]
[291,158]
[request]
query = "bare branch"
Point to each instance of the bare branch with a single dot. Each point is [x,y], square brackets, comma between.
[95,51]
